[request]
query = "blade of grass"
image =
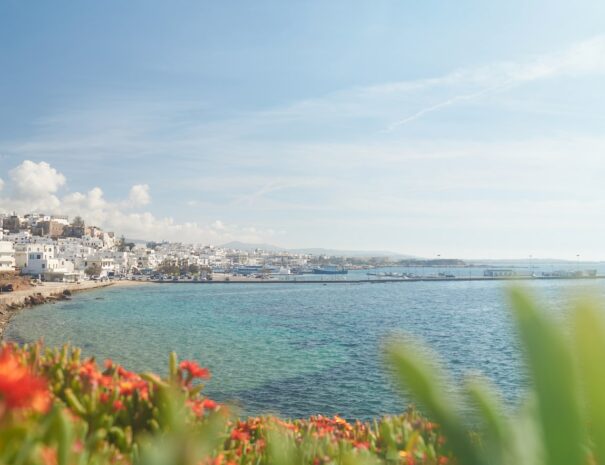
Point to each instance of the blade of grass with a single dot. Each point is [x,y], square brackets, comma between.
[589,338]
[422,378]
[496,431]
[551,366]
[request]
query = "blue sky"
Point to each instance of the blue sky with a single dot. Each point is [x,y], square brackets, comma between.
[467,129]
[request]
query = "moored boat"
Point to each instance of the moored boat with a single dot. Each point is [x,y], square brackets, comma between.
[330,269]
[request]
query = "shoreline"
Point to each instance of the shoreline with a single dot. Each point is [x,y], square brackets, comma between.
[329,280]
[13,302]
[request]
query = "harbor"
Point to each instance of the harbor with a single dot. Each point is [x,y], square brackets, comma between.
[379,280]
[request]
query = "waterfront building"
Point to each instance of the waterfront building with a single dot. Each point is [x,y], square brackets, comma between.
[23,251]
[7,256]
[499,273]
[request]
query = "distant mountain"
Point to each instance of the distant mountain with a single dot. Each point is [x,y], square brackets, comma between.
[315,251]
[350,253]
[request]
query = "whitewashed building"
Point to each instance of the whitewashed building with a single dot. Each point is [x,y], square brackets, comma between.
[23,250]
[7,256]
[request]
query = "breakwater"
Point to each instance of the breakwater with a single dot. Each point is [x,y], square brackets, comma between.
[380,280]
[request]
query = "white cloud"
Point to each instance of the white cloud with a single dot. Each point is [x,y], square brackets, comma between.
[139,195]
[1,184]
[115,216]
[218,224]
[35,180]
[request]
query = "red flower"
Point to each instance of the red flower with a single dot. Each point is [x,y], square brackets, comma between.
[89,371]
[361,445]
[106,381]
[19,387]
[194,370]
[118,405]
[123,373]
[209,404]
[239,435]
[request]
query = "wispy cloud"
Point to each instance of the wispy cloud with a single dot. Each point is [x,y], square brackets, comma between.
[373,154]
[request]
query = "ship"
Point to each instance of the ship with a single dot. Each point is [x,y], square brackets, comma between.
[330,269]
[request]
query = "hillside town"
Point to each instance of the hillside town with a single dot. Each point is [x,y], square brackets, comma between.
[53,248]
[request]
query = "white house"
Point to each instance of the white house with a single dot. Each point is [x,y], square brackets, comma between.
[23,251]
[91,241]
[7,256]
[106,265]
[37,260]
[21,237]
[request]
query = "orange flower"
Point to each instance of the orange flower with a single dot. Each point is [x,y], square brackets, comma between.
[196,406]
[127,387]
[106,381]
[49,455]
[19,387]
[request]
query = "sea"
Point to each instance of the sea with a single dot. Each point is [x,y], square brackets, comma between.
[297,350]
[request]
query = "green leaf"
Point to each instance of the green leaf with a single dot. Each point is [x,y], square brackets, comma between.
[496,432]
[74,403]
[423,377]
[173,366]
[589,339]
[552,369]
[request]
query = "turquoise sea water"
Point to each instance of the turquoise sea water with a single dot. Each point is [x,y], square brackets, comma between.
[297,349]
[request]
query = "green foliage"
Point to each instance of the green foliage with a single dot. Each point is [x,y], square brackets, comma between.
[66,409]
[561,421]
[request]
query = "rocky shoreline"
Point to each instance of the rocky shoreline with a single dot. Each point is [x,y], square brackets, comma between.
[12,303]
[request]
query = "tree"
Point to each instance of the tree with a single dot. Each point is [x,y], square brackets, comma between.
[121,244]
[93,270]
[78,222]
[169,267]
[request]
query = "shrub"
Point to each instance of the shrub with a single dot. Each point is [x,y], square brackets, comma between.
[57,408]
